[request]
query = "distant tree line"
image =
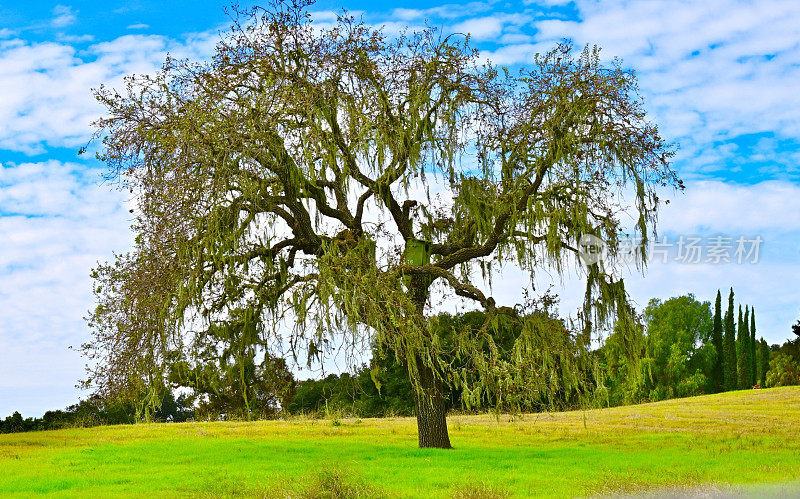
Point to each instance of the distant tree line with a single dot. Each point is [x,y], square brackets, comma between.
[381,388]
[785,361]
[675,348]
[95,411]
[244,389]
[681,348]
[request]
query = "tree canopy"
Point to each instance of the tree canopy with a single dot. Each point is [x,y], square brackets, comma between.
[315,188]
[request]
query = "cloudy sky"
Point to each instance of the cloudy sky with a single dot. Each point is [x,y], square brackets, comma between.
[720,77]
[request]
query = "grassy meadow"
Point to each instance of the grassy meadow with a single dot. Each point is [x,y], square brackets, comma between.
[705,443]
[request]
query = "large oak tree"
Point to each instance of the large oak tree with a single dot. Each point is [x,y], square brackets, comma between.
[313,187]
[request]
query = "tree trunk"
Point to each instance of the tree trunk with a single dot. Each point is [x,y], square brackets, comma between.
[429,402]
[431,409]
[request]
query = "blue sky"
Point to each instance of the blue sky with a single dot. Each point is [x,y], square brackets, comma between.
[720,77]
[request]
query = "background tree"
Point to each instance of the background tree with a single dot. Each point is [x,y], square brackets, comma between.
[382,388]
[784,363]
[97,411]
[717,373]
[753,344]
[763,362]
[331,183]
[729,348]
[626,365]
[792,347]
[783,371]
[233,385]
[743,349]
[678,331]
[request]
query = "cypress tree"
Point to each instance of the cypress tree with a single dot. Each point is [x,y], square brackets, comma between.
[758,363]
[742,348]
[764,362]
[717,372]
[753,348]
[729,348]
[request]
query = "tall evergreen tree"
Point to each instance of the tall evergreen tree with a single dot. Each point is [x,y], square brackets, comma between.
[762,372]
[717,372]
[758,356]
[729,348]
[753,348]
[743,349]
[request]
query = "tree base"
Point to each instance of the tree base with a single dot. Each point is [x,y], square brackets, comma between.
[431,410]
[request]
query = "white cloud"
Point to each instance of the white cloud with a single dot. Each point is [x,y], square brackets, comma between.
[482,28]
[75,38]
[63,16]
[516,53]
[769,209]
[515,38]
[138,26]
[56,222]
[547,3]
[706,209]
[447,11]
[766,206]
[403,14]
[709,208]
[710,70]
[491,27]
[47,99]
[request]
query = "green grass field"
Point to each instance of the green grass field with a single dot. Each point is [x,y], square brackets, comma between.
[702,443]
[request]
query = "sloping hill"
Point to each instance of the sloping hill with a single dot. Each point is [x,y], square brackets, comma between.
[693,444]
